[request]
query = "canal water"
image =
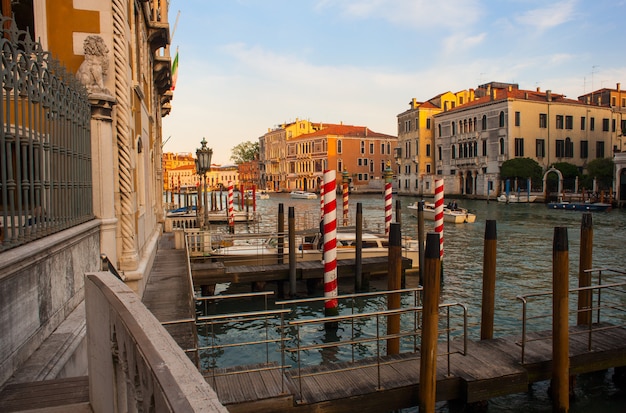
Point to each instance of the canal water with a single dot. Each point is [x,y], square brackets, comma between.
[524,265]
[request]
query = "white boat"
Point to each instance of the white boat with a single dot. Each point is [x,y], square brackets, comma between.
[214,217]
[515,199]
[262,249]
[303,195]
[451,214]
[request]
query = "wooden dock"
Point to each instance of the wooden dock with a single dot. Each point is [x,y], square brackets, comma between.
[167,293]
[216,272]
[490,369]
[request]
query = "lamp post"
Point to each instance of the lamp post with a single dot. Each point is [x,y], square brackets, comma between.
[203,165]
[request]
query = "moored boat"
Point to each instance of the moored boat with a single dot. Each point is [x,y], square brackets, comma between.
[516,199]
[263,249]
[580,206]
[451,214]
[303,195]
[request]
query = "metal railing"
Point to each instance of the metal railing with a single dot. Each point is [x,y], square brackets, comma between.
[412,331]
[45,143]
[601,304]
[280,321]
[271,319]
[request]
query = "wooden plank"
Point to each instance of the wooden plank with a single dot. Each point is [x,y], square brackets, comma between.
[48,393]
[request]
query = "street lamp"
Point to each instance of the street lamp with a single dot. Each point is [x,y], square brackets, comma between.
[203,165]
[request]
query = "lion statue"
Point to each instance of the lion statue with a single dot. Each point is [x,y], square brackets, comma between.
[94,68]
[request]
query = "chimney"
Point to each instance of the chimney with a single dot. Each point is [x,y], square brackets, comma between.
[526,95]
[548,95]
[619,87]
[493,93]
[538,89]
[413,103]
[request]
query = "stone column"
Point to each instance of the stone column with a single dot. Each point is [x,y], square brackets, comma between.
[103,163]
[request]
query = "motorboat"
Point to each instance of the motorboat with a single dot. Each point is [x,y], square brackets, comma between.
[451,213]
[580,206]
[516,199]
[214,217]
[263,249]
[303,195]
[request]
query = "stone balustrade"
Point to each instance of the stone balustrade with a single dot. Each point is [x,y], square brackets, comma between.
[134,364]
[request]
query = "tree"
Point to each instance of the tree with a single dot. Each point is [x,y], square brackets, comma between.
[245,152]
[602,169]
[521,169]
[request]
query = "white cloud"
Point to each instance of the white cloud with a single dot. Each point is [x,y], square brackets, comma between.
[549,16]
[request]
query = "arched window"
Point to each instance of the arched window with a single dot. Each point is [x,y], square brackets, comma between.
[453,152]
[338,145]
[501,146]
[439,127]
[453,128]
[484,125]
[502,119]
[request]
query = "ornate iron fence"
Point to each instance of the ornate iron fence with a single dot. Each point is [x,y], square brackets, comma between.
[45,146]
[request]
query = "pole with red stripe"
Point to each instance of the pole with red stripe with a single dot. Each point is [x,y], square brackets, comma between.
[388,174]
[231,210]
[439,213]
[330,244]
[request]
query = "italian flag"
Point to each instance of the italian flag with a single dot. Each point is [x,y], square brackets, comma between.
[175,70]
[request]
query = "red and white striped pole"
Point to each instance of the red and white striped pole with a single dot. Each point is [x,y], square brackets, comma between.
[346,195]
[330,243]
[388,174]
[439,213]
[231,210]
[322,202]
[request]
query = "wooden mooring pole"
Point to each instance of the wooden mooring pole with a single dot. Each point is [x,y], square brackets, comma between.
[398,211]
[394,282]
[420,239]
[560,326]
[585,263]
[428,353]
[291,224]
[489,281]
[358,259]
[280,249]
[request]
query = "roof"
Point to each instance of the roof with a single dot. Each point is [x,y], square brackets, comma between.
[347,130]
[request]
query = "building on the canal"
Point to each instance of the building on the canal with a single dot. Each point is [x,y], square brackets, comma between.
[172,162]
[296,155]
[249,173]
[81,172]
[499,122]
[415,154]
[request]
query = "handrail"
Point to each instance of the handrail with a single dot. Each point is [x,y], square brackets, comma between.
[107,265]
[377,315]
[597,307]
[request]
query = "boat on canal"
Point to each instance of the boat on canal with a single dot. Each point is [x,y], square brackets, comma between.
[215,217]
[451,214]
[263,249]
[303,195]
[580,206]
[516,199]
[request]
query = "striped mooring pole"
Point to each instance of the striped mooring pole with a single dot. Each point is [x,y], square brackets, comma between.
[439,213]
[388,174]
[231,210]
[330,245]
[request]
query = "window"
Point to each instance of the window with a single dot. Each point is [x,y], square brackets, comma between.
[338,145]
[453,152]
[583,123]
[360,162]
[560,148]
[365,162]
[382,148]
[484,122]
[569,122]
[427,123]
[543,120]
[428,168]
[439,129]
[623,127]
[519,146]
[584,149]
[428,149]
[501,146]
[518,116]
[362,147]
[559,121]
[605,125]
[613,125]
[371,148]
[453,128]
[439,153]
[485,147]
[569,148]
[592,124]
[600,149]
[339,165]
[372,166]
[540,150]
[501,123]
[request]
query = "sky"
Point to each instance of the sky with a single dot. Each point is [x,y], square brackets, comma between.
[247,66]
